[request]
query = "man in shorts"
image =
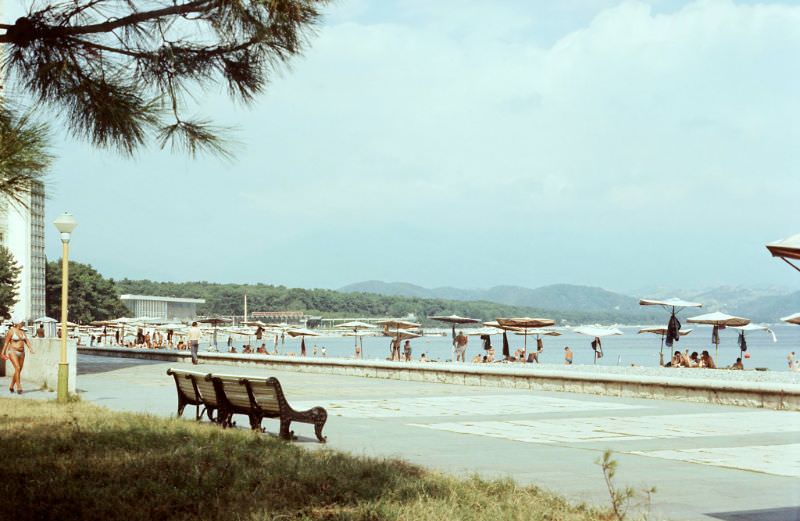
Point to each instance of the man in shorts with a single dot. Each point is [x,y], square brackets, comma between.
[460,343]
[567,356]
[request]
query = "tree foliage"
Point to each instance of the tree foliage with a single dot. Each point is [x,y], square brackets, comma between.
[24,155]
[9,282]
[120,71]
[91,296]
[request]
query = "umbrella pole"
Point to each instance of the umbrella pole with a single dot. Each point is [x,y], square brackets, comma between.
[661,353]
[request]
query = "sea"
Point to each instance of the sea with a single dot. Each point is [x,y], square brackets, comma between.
[629,349]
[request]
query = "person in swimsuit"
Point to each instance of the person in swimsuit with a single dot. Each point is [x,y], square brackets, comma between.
[14,349]
[567,356]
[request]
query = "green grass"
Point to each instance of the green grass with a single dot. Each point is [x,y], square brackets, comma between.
[80,461]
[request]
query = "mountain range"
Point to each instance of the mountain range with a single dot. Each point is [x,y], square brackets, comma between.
[758,304]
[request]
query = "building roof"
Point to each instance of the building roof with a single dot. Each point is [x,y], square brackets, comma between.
[164,299]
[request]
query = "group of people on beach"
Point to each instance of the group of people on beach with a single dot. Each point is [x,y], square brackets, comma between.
[701,361]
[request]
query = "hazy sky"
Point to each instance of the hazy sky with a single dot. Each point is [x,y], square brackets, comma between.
[616,144]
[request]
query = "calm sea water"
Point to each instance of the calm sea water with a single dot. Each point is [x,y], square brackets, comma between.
[631,348]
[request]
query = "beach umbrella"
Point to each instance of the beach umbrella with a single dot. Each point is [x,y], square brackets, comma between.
[302,333]
[674,306]
[397,325]
[786,249]
[523,324]
[355,326]
[402,334]
[453,320]
[359,337]
[482,331]
[751,327]
[792,319]
[215,322]
[719,321]
[663,332]
[598,333]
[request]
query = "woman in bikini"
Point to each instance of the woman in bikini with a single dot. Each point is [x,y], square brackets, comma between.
[14,349]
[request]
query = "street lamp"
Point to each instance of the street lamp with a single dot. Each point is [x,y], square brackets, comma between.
[65,223]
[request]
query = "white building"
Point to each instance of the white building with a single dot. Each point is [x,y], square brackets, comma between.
[169,308]
[22,232]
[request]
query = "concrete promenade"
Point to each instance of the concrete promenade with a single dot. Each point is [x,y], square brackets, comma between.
[707,461]
[769,390]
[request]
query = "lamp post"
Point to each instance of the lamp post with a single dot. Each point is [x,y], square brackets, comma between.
[65,223]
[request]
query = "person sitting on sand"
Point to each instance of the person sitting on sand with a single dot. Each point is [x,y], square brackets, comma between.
[675,361]
[262,349]
[477,359]
[247,349]
[737,365]
[706,361]
[181,345]
[423,358]
[232,350]
[568,356]
[490,355]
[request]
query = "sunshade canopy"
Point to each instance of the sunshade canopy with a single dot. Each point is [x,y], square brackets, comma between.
[670,303]
[360,333]
[301,332]
[455,319]
[525,322]
[397,324]
[356,325]
[597,331]
[255,323]
[718,319]
[792,319]
[751,327]
[402,334]
[538,332]
[660,330]
[484,331]
[45,320]
[215,321]
[787,248]
[102,323]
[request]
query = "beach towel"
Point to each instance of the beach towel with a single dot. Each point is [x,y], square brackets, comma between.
[506,352]
[742,341]
[673,331]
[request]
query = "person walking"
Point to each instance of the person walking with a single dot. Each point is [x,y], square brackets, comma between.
[194,340]
[567,356]
[461,346]
[14,350]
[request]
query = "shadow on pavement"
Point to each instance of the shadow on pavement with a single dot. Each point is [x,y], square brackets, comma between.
[88,364]
[769,514]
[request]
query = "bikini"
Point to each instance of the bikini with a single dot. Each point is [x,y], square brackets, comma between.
[20,350]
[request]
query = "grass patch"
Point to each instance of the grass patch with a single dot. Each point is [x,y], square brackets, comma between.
[80,461]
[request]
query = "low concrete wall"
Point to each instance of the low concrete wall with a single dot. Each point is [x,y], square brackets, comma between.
[746,394]
[41,367]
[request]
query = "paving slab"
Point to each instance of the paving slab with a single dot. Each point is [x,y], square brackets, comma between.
[707,461]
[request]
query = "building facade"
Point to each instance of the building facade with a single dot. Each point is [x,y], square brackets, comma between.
[22,232]
[168,308]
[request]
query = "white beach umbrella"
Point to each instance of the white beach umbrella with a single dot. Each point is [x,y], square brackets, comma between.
[674,306]
[663,332]
[786,249]
[792,319]
[751,327]
[356,326]
[719,321]
[597,332]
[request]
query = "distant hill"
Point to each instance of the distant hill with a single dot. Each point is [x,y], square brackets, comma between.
[765,304]
[556,297]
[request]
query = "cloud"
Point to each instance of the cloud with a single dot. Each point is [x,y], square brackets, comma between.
[568,127]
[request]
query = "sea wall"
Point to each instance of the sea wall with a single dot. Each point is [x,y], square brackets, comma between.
[767,395]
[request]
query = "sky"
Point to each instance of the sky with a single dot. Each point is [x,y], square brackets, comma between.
[616,144]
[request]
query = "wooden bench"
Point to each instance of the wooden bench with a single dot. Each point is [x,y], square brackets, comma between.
[196,389]
[259,398]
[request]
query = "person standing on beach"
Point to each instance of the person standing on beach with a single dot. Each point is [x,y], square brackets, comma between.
[790,360]
[194,341]
[407,351]
[14,349]
[461,346]
[567,356]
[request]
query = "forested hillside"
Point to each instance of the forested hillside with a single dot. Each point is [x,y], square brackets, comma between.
[228,299]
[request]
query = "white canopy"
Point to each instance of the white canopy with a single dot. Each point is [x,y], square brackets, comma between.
[484,331]
[751,327]
[670,303]
[361,333]
[792,319]
[718,319]
[45,320]
[597,331]
[356,324]
[301,332]
[787,248]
